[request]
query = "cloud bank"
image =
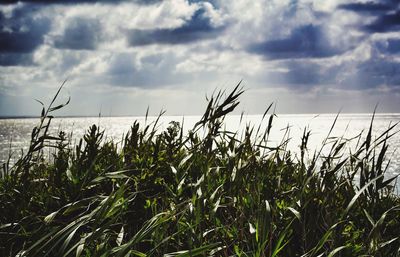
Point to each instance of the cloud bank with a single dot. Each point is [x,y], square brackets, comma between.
[137,52]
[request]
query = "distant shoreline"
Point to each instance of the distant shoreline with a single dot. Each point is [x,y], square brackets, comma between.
[193,115]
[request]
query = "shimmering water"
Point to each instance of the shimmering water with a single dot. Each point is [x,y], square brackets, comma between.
[15,133]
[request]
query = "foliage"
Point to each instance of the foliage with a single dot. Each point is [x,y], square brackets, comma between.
[207,192]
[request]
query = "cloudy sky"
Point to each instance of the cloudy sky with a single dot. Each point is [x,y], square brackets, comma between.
[308,56]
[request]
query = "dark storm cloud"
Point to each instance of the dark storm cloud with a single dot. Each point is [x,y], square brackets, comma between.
[368,7]
[20,35]
[393,46]
[21,41]
[144,2]
[15,59]
[215,3]
[387,14]
[80,34]
[388,46]
[385,23]
[374,72]
[197,28]
[303,42]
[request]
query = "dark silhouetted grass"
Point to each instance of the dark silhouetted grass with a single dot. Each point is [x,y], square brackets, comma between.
[205,192]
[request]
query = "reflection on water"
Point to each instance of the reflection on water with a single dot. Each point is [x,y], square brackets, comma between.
[15,133]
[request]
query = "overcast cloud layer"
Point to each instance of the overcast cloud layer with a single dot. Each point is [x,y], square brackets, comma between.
[121,56]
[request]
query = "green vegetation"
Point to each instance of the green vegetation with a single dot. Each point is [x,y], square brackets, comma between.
[210,192]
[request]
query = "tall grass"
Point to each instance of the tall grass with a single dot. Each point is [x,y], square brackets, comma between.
[205,192]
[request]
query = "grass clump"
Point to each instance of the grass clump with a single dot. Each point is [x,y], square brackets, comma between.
[207,192]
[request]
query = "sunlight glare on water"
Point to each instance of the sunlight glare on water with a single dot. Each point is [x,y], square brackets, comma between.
[15,133]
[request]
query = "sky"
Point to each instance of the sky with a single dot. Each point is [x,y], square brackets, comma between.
[121,57]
